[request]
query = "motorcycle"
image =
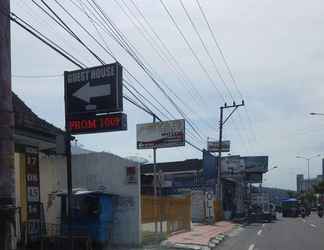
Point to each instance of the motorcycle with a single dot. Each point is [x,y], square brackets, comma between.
[303,213]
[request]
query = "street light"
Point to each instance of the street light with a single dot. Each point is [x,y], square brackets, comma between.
[313,113]
[274,167]
[263,180]
[308,159]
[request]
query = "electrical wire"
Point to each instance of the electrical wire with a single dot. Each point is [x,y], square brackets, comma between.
[230,72]
[205,71]
[133,52]
[188,121]
[206,49]
[41,37]
[167,58]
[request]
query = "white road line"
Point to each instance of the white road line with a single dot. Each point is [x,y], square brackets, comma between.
[304,220]
[312,225]
[259,232]
[251,247]
[263,225]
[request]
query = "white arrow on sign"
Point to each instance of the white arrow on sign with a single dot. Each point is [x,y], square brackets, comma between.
[87,92]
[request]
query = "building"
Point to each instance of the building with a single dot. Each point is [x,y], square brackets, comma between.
[299,183]
[304,185]
[36,143]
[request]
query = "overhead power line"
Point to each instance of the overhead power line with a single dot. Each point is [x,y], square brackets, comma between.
[230,72]
[59,50]
[192,50]
[37,76]
[206,49]
[120,38]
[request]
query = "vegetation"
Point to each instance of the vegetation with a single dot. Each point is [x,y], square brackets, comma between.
[319,188]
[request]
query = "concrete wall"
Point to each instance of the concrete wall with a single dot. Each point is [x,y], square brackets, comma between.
[107,171]
[52,175]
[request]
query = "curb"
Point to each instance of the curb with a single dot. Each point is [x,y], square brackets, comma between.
[215,241]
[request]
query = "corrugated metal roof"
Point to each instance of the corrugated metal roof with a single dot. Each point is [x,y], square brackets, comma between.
[176,166]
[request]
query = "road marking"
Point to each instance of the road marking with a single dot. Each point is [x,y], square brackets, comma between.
[312,225]
[263,225]
[259,232]
[304,220]
[251,247]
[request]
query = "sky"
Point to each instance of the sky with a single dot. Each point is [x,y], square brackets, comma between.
[274,49]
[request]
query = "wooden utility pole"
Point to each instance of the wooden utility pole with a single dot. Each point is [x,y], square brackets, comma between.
[7,171]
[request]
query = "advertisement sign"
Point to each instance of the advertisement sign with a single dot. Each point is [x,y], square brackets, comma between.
[33,193]
[161,134]
[256,164]
[214,146]
[94,90]
[209,166]
[90,123]
[254,177]
[231,166]
[131,175]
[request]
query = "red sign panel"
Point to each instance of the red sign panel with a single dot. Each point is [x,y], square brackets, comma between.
[94,124]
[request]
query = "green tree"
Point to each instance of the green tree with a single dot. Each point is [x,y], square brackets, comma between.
[291,194]
[319,188]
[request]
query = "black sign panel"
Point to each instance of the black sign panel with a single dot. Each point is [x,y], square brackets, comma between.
[33,193]
[94,90]
[89,123]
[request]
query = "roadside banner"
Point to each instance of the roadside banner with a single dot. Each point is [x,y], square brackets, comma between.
[161,134]
[214,146]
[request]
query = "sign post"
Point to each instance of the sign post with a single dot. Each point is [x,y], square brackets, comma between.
[159,135]
[93,102]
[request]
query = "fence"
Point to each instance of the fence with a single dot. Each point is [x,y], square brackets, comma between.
[55,236]
[173,214]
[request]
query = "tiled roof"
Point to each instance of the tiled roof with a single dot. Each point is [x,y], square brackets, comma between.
[26,119]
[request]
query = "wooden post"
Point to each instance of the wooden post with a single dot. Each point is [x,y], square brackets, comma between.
[7,171]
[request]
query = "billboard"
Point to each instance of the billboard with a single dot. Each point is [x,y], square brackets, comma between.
[231,165]
[214,146]
[161,134]
[256,164]
[254,177]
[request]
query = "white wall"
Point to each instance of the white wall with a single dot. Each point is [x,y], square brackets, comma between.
[52,172]
[197,205]
[97,170]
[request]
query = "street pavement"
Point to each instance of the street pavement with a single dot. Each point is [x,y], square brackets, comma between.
[283,234]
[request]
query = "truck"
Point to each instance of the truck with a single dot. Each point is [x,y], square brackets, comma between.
[290,207]
[261,208]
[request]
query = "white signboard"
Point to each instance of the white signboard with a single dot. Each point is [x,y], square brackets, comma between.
[214,146]
[160,134]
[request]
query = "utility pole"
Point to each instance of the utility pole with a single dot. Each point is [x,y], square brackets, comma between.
[308,176]
[221,124]
[7,171]
[154,186]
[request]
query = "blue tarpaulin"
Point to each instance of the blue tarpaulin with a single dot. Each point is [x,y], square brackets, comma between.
[209,166]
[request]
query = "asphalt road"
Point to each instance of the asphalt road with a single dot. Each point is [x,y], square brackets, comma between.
[283,234]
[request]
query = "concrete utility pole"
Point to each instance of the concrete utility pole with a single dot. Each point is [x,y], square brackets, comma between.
[7,171]
[308,175]
[221,124]
[154,186]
